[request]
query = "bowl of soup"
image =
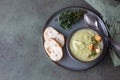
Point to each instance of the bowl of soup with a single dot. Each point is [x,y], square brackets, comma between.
[85,44]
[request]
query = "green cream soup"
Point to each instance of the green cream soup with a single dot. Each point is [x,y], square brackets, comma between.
[80,42]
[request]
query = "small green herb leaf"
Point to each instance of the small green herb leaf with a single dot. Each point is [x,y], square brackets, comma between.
[94,41]
[69,17]
[93,53]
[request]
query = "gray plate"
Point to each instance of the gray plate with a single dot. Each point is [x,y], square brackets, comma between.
[67,61]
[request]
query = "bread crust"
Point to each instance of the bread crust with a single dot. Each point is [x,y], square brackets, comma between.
[50,32]
[53,49]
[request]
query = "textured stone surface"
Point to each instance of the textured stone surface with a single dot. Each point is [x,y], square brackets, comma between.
[21,53]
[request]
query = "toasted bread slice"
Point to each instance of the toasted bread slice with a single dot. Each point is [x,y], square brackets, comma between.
[50,32]
[53,49]
[54,34]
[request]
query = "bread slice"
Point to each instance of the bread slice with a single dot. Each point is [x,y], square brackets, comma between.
[50,32]
[53,49]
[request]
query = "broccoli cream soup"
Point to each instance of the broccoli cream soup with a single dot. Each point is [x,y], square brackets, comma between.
[85,44]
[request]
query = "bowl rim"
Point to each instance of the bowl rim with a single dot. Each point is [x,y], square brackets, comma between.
[71,34]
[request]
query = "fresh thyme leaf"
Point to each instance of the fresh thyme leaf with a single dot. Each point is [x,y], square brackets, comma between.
[93,53]
[94,41]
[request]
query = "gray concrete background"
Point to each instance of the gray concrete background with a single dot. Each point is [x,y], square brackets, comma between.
[21,53]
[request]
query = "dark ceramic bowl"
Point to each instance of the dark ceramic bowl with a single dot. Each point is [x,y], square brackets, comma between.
[68,44]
